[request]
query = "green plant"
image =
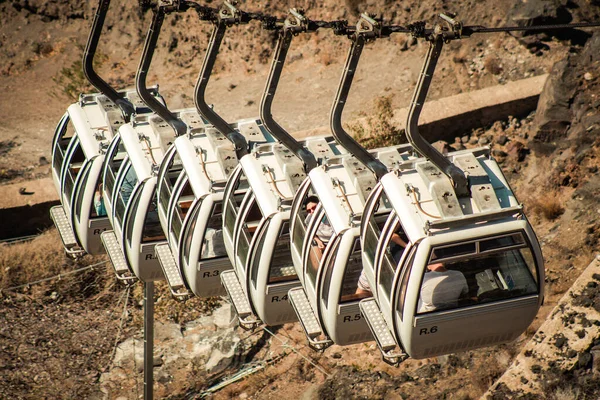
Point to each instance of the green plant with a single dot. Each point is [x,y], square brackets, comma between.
[377,130]
[72,81]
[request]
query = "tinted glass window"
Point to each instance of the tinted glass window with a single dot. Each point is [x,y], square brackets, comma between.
[189,234]
[249,226]
[478,279]
[315,250]
[233,205]
[79,197]
[98,209]
[212,244]
[74,165]
[125,189]
[152,229]
[392,253]
[168,180]
[300,223]
[282,268]
[182,205]
[115,159]
[453,251]
[64,134]
[352,274]
[374,227]
[499,242]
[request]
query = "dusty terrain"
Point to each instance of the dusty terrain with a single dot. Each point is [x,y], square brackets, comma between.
[57,337]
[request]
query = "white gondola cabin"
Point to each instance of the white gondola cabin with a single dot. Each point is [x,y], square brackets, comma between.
[190,202]
[472,272]
[326,248]
[78,152]
[256,230]
[132,200]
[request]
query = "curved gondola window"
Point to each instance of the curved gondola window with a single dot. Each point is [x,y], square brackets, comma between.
[374,226]
[115,159]
[189,233]
[281,266]
[315,251]
[80,194]
[392,253]
[212,242]
[234,202]
[152,229]
[128,183]
[300,223]
[499,268]
[182,206]
[98,209]
[64,135]
[173,170]
[249,226]
[352,274]
[74,165]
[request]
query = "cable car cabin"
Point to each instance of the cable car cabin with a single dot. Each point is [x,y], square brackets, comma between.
[326,247]
[133,200]
[256,230]
[471,273]
[78,151]
[190,196]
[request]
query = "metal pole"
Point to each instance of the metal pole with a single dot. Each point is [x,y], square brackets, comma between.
[148,339]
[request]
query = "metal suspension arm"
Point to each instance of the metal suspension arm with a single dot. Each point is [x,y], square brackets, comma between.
[366,28]
[227,16]
[293,25]
[456,175]
[140,79]
[127,109]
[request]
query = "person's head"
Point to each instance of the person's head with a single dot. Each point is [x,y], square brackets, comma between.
[311,204]
[438,267]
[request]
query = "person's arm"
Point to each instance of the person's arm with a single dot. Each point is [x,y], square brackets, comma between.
[398,240]
[320,243]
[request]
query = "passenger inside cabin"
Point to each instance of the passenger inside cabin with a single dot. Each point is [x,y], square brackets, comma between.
[99,202]
[442,288]
[324,231]
[396,248]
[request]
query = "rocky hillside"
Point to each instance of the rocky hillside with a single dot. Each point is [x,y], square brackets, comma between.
[62,338]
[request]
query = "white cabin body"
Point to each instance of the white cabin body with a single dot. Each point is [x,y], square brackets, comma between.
[330,276]
[78,152]
[472,272]
[191,185]
[256,227]
[133,200]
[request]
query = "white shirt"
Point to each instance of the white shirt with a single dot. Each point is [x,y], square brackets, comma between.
[442,290]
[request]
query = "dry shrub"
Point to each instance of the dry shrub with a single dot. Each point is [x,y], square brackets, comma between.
[548,206]
[377,130]
[325,58]
[44,257]
[29,261]
[567,393]
[354,7]
[492,65]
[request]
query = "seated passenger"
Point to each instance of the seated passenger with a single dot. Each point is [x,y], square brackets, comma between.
[441,288]
[324,231]
[213,245]
[363,287]
[396,248]
[99,202]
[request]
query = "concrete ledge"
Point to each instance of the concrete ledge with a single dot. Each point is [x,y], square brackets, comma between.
[569,331]
[456,115]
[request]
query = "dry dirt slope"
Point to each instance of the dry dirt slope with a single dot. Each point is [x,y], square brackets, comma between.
[56,337]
